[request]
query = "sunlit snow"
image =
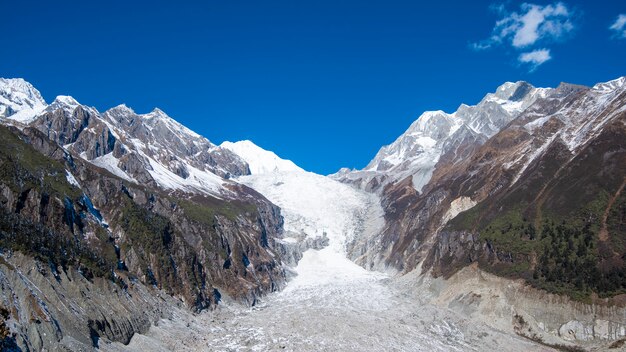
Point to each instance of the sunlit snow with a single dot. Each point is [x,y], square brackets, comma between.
[260,160]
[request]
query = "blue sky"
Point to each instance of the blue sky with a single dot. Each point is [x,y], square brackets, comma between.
[323,83]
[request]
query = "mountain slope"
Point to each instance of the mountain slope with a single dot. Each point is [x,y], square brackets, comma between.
[552,216]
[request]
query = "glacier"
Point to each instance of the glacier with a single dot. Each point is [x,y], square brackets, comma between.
[332,303]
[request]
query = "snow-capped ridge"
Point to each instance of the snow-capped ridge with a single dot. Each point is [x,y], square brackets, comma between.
[68,104]
[66,100]
[259,160]
[159,116]
[611,85]
[512,90]
[150,148]
[156,113]
[416,152]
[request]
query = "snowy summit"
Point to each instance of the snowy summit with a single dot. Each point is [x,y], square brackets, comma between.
[261,161]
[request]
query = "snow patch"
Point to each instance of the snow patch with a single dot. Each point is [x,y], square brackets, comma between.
[66,100]
[110,163]
[198,180]
[534,156]
[71,179]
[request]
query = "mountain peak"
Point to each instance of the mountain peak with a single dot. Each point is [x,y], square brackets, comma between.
[513,91]
[419,148]
[65,100]
[19,100]
[565,89]
[122,107]
[610,85]
[67,103]
[19,85]
[156,112]
[259,160]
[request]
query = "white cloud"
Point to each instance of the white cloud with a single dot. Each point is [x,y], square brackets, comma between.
[532,24]
[619,27]
[535,57]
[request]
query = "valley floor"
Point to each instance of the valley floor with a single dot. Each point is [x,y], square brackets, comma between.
[332,305]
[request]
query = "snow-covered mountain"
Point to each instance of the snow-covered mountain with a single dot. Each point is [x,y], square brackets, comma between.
[416,152]
[259,160]
[19,100]
[136,202]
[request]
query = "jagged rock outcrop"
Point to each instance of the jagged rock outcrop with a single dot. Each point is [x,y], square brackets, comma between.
[157,133]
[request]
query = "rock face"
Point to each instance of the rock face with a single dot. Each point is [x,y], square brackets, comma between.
[134,209]
[53,308]
[537,195]
[161,138]
[568,126]
[510,305]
